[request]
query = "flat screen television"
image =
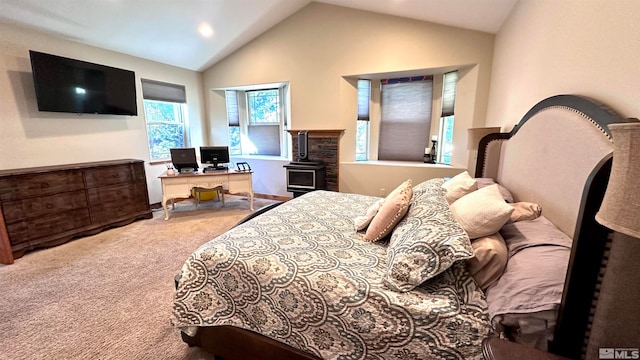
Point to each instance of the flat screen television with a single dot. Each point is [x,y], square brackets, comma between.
[214,156]
[74,86]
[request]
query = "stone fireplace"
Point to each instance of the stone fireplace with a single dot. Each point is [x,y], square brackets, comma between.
[323,148]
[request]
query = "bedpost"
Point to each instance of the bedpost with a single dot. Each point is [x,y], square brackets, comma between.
[587,258]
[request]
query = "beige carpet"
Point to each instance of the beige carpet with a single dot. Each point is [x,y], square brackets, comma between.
[108,296]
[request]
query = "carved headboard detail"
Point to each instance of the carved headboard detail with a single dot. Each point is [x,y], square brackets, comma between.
[559,156]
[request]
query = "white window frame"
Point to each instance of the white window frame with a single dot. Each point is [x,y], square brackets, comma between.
[363,119]
[166,93]
[374,122]
[244,118]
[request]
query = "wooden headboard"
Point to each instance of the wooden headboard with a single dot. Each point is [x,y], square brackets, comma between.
[559,156]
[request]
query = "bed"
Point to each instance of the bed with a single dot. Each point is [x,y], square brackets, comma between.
[298,280]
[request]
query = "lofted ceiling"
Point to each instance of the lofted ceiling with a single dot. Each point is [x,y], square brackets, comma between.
[167,31]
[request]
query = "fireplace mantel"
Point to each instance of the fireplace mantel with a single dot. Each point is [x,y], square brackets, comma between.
[319,133]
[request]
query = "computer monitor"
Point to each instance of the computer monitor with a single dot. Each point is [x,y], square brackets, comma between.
[184,158]
[214,156]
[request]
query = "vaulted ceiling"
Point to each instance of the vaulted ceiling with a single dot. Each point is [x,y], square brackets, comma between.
[175,32]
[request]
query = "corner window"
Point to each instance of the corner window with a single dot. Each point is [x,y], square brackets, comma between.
[256,120]
[447,118]
[362,126]
[404,131]
[165,114]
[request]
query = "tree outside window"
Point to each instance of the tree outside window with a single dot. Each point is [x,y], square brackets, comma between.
[165,127]
[264,106]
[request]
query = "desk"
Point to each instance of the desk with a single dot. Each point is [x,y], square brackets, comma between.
[179,186]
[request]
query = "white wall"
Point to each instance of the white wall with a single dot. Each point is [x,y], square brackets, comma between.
[550,47]
[32,138]
[319,47]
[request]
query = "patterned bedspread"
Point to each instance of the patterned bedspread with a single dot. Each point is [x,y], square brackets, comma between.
[300,274]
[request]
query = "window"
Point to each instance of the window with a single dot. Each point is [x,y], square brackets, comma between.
[233,117]
[447,118]
[405,119]
[256,121]
[166,117]
[362,127]
[405,129]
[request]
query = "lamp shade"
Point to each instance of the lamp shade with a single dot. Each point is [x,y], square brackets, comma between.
[475,134]
[620,209]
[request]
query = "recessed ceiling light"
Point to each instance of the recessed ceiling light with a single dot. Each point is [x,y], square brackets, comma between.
[205,30]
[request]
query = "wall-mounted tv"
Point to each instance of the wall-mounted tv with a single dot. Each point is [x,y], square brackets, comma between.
[74,86]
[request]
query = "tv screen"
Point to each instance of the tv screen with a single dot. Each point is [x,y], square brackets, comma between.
[214,155]
[74,86]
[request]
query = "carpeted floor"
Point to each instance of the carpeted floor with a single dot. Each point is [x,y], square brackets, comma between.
[108,296]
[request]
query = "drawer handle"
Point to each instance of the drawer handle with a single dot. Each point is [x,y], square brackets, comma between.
[49,206]
[116,175]
[118,193]
[44,185]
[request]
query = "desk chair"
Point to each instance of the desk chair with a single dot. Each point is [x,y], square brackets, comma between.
[199,190]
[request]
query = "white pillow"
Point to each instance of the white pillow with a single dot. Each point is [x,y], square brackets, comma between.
[361,222]
[482,213]
[459,186]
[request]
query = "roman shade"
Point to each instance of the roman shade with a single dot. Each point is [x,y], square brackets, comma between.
[364,94]
[233,116]
[161,91]
[405,118]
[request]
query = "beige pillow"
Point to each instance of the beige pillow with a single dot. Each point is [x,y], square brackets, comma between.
[482,213]
[361,222]
[525,211]
[489,260]
[393,208]
[459,186]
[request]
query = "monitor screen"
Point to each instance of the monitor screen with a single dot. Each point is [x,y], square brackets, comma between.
[214,155]
[184,158]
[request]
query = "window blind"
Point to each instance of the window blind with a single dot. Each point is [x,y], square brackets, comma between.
[233,116]
[405,119]
[364,94]
[161,91]
[449,93]
[265,138]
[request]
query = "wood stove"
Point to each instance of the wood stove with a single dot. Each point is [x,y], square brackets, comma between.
[305,176]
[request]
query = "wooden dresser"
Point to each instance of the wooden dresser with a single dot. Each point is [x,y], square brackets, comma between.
[50,205]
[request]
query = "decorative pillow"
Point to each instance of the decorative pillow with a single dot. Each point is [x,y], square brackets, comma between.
[361,222]
[426,242]
[525,211]
[506,194]
[393,208]
[489,260]
[483,212]
[428,186]
[459,186]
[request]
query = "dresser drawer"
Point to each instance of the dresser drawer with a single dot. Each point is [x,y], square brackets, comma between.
[21,209]
[35,185]
[111,175]
[46,226]
[112,202]
[116,193]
